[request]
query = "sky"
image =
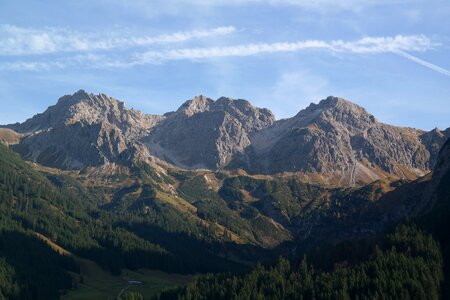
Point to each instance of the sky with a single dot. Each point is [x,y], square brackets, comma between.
[390,56]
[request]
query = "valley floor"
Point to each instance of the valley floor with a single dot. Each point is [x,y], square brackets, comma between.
[100,284]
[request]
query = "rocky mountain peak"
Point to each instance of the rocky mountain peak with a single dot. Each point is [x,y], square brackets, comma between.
[238,108]
[251,117]
[338,102]
[336,111]
[334,140]
[82,130]
[198,104]
[68,100]
[332,102]
[82,99]
[339,139]
[79,107]
[204,133]
[437,132]
[77,96]
[433,140]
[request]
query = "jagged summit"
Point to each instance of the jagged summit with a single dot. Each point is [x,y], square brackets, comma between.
[82,130]
[201,104]
[80,94]
[339,139]
[337,104]
[334,140]
[96,101]
[69,109]
[337,109]
[332,102]
[76,97]
[204,133]
[197,104]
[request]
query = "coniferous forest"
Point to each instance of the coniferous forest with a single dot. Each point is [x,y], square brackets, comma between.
[224,150]
[409,261]
[406,264]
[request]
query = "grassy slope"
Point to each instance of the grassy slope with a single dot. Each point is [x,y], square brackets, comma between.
[99,284]
[240,210]
[8,136]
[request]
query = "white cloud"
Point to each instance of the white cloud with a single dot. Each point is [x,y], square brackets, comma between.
[366,45]
[424,63]
[399,44]
[32,66]
[29,41]
[373,45]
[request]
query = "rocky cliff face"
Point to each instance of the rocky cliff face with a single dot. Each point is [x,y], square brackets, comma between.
[441,174]
[334,141]
[82,130]
[341,140]
[433,140]
[204,133]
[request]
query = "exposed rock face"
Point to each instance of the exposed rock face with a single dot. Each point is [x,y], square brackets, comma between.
[433,140]
[334,141]
[204,133]
[82,130]
[339,139]
[442,167]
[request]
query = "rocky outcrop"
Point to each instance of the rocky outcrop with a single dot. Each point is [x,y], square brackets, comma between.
[82,130]
[442,167]
[433,140]
[340,140]
[204,133]
[334,141]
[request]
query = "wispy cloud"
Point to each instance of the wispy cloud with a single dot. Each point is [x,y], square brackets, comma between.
[33,65]
[399,44]
[366,45]
[424,63]
[29,41]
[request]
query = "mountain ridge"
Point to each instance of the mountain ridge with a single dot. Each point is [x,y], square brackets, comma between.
[334,141]
[206,221]
[337,136]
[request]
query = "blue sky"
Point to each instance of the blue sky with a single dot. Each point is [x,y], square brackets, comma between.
[391,57]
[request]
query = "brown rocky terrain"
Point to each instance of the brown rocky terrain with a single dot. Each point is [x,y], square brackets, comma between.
[334,142]
[340,140]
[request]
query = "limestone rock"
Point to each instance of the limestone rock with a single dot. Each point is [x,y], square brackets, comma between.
[334,141]
[82,130]
[341,140]
[204,133]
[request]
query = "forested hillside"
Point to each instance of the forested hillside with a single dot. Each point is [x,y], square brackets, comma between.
[407,264]
[412,262]
[190,222]
[63,211]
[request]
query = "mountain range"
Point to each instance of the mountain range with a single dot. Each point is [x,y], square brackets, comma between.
[217,186]
[333,142]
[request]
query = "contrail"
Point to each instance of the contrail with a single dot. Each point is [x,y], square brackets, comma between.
[423,63]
